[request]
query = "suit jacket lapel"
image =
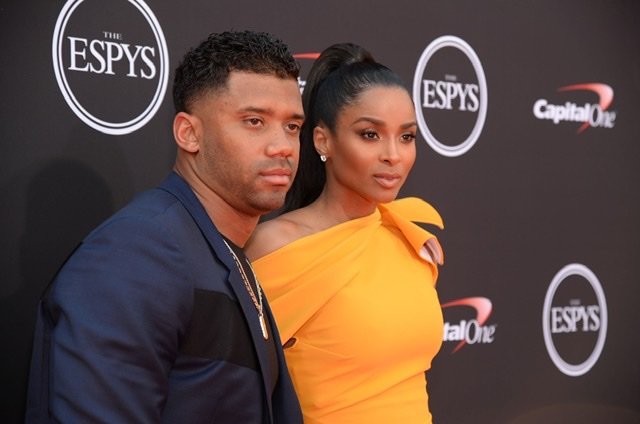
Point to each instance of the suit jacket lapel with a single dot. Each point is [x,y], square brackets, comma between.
[175,185]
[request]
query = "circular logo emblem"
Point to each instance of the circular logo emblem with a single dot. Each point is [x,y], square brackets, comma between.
[574,316]
[449,98]
[111,63]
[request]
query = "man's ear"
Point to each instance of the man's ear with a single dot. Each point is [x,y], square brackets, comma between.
[321,141]
[186,130]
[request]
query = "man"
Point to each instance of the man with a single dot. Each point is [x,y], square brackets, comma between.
[157,316]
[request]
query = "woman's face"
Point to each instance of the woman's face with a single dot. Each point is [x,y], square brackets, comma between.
[373,148]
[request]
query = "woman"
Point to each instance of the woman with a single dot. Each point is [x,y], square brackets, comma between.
[349,276]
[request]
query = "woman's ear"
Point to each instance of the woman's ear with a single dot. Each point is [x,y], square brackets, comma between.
[186,131]
[321,141]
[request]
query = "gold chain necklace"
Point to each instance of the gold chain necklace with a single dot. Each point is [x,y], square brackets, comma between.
[256,302]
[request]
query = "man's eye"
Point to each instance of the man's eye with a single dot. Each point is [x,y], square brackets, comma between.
[254,122]
[293,127]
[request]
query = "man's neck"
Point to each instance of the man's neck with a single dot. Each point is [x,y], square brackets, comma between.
[234,224]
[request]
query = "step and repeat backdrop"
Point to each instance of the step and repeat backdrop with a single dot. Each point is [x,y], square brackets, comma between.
[529,146]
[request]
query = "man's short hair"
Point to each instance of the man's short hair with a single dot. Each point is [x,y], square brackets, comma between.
[206,67]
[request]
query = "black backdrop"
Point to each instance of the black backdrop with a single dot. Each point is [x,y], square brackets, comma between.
[528,198]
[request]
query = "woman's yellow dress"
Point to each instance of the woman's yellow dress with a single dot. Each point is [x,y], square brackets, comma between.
[359,315]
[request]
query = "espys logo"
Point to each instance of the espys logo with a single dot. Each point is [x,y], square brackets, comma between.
[470,331]
[574,319]
[110,60]
[305,67]
[595,115]
[450,96]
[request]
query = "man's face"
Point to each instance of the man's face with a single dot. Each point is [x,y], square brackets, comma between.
[249,140]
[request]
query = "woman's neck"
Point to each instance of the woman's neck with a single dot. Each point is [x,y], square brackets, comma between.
[333,210]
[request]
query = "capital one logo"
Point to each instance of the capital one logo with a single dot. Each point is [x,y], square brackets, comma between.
[302,82]
[110,60]
[470,330]
[450,95]
[574,319]
[594,115]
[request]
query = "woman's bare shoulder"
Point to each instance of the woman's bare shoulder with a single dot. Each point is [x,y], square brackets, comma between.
[276,233]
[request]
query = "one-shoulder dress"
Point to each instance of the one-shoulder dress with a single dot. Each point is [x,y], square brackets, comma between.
[357,310]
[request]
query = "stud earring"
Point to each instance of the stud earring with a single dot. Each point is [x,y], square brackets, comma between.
[323,158]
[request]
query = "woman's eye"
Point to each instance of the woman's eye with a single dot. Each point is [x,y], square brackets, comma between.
[408,137]
[369,135]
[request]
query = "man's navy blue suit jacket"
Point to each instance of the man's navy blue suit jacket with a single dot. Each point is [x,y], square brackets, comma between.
[149,321]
